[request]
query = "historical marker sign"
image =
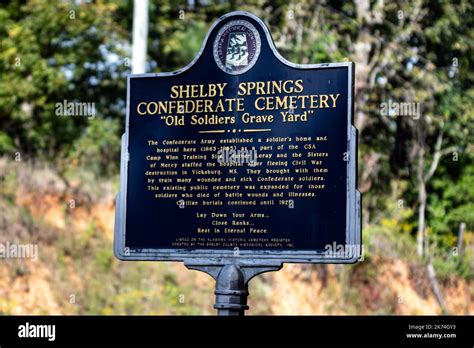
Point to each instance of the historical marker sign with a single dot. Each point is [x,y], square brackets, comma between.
[240,155]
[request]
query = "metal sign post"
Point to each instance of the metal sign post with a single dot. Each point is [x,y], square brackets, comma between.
[232,285]
[240,162]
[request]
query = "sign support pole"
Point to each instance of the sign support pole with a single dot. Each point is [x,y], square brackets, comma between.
[232,284]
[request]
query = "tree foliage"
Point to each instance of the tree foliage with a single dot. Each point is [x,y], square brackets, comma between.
[417,52]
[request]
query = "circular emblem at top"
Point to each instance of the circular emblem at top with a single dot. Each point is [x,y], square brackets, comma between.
[237,47]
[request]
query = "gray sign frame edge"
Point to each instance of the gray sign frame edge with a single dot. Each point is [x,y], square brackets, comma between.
[199,258]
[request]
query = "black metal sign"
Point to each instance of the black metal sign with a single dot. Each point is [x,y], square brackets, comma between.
[240,157]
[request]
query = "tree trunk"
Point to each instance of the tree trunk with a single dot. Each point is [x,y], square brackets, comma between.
[462,227]
[140,36]
[420,236]
[435,286]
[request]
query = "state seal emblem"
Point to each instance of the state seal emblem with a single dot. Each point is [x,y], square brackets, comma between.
[237,47]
